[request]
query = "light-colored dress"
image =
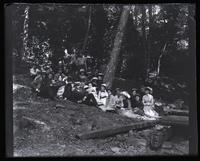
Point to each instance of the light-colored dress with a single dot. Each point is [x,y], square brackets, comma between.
[148,103]
[102,97]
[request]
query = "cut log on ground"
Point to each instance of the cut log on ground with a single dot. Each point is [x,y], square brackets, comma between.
[177,112]
[118,130]
[174,120]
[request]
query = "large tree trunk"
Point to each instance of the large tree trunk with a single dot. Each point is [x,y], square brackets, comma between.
[144,39]
[149,40]
[88,29]
[111,67]
[25,36]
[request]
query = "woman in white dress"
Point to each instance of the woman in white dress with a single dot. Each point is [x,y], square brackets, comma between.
[148,102]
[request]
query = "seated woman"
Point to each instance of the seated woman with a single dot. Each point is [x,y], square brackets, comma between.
[126,100]
[137,105]
[110,101]
[102,96]
[148,102]
[126,109]
[118,99]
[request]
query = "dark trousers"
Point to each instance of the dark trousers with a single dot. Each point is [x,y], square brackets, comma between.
[68,91]
[47,92]
[90,100]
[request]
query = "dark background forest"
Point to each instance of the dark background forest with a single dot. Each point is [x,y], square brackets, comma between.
[157,47]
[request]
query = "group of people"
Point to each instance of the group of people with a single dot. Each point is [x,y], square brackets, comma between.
[75,82]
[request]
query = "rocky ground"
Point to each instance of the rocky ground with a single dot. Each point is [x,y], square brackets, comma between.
[42,129]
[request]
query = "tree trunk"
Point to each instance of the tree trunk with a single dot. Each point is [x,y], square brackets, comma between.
[88,29]
[25,37]
[159,59]
[111,67]
[149,40]
[144,39]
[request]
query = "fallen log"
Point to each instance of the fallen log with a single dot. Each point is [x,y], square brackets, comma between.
[117,130]
[177,112]
[174,120]
[35,122]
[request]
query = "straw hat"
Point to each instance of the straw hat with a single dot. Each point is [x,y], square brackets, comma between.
[86,87]
[126,94]
[82,70]
[148,88]
[134,89]
[94,78]
[104,85]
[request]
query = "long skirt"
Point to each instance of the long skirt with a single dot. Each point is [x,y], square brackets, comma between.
[149,111]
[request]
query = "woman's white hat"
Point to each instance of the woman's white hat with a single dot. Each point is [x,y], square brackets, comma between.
[126,94]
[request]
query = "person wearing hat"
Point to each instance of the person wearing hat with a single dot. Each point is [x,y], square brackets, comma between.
[148,102]
[126,100]
[102,96]
[118,98]
[137,105]
[99,81]
[77,93]
[110,101]
[82,77]
[94,81]
[133,91]
[90,95]
[133,94]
